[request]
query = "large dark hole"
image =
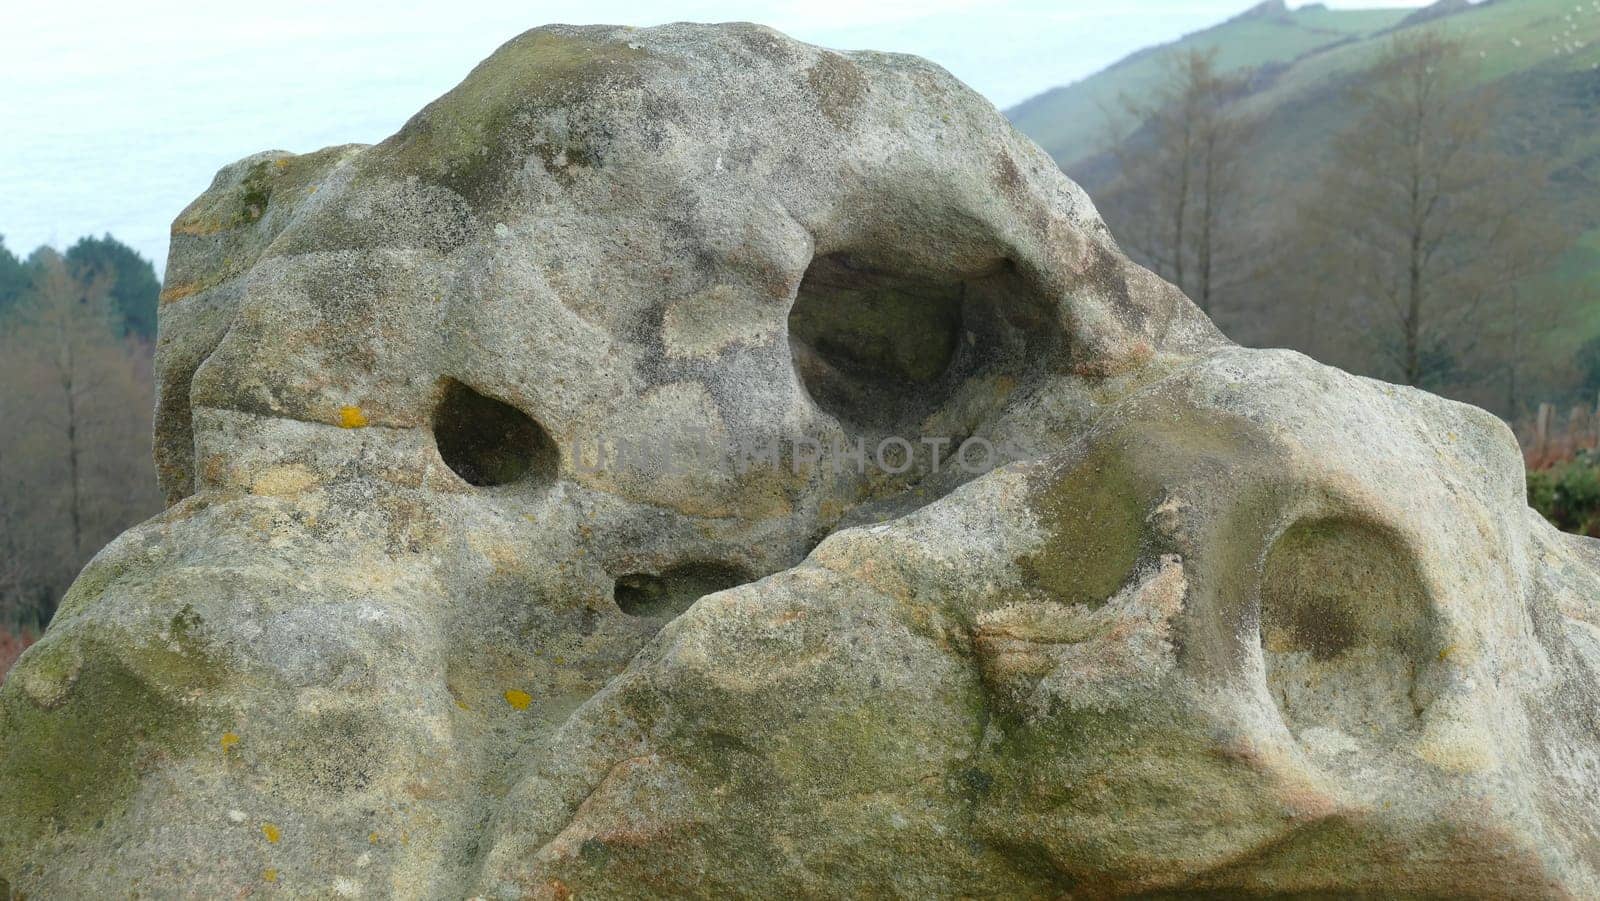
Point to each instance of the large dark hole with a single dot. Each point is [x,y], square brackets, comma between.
[870,344]
[880,349]
[668,593]
[488,442]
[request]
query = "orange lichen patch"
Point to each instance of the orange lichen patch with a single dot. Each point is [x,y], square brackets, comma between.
[230,740]
[269,875]
[271,832]
[519,699]
[179,291]
[351,417]
[372,839]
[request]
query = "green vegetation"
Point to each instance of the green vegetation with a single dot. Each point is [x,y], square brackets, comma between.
[104,263]
[1568,494]
[13,277]
[133,283]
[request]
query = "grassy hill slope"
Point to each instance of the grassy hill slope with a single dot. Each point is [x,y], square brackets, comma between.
[1541,56]
[1068,121]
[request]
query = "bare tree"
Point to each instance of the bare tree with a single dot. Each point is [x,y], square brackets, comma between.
[1181,154]
[72,333]
[75,459]
[1419,231]
[16,558]
[1223,137]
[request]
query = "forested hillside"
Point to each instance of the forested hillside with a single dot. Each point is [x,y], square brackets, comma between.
[76,332]
[1517,92]
[1070,121]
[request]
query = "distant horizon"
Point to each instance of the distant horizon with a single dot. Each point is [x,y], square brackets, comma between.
[129,109]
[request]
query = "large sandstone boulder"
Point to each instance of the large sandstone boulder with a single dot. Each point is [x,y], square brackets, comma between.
[519,543]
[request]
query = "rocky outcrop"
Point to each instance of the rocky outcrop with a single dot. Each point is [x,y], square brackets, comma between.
[688,462]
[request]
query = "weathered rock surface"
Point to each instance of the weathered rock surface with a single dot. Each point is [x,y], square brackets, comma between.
[1221,621]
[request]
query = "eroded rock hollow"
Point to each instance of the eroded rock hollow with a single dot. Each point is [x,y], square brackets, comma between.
[519,547]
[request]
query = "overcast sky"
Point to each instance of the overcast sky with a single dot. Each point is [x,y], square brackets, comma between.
[117,114]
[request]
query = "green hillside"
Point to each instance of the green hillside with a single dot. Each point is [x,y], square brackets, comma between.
[1068,121]
[1541,56]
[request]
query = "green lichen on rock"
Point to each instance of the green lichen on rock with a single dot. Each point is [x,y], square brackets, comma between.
[1095,519]
[1118,800]
[85,723]
[467,140]
[242,195]
[256,192]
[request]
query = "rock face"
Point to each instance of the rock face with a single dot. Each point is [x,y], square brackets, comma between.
[519,544]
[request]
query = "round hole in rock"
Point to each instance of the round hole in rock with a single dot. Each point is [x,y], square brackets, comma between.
[880,349]
[668,593]
[489,442]
[1344,628]
[870,344]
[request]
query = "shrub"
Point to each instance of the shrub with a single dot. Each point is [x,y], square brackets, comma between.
[1568,494]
